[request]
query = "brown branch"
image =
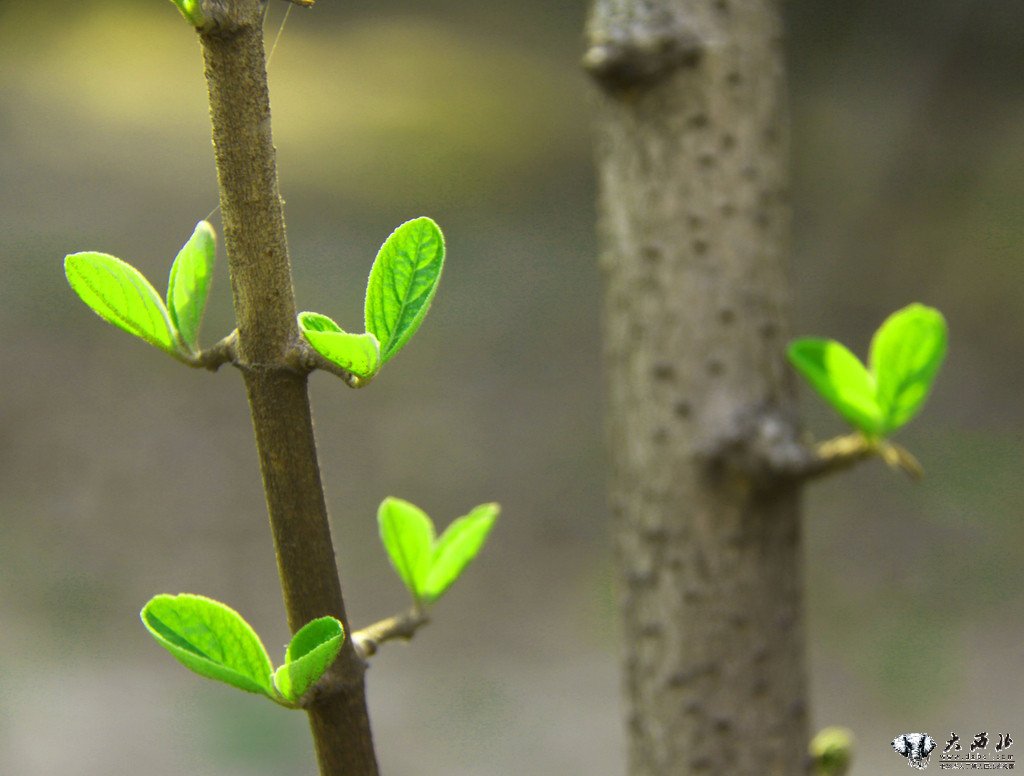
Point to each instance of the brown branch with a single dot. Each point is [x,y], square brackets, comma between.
[254,235]
[402,626]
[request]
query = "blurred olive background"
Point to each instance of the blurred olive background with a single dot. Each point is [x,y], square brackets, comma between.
[123,474]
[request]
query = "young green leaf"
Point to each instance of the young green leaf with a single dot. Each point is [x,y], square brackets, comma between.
[456,547]
[841,379]
[119,294]
[189,284]
[355,353]
[192,10]
[402,283]
[309,654]
[211,639]
[906,353]
[317,322]
[408,536]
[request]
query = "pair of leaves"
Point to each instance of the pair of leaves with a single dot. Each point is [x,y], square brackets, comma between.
[906,353]
[428,565]
[121,295]
[213,640]
[401,286]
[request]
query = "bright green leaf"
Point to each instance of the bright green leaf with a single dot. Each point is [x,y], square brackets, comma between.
[906,353]
[408,536]
[211,639]
[192,10]
[402,283]
[119,294]
[189,284]
[317,322]
[355,353]
[456,547]
[309,654]
[841,379]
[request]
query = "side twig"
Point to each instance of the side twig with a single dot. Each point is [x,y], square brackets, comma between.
[224,352]
[402,626]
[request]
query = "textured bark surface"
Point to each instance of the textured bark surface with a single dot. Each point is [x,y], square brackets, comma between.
[265,311]
[692,168]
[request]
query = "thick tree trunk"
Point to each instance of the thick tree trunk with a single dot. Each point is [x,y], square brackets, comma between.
[692,167]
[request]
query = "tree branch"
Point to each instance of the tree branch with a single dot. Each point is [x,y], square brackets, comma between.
[765,446]
[402,626]
[254,236]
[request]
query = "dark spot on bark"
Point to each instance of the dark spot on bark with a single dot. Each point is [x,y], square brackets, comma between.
[636,723]
[728,209]
[700,765]
[760,655]
[693,708]
[679,679]
[769,330]
[698,121]
[734,78]
[655,534]
[739,621]
[715,367]
[770,135]
[651,630]
[663,370]
[651,253]
[700,247]
[763,219]
[660,435]
[694,221]
[728,141]
[682,409]
[749,173]
[798,710]
[726,315]
[707,161]
[760,688]
[722,725]
[722,6]
[692,595]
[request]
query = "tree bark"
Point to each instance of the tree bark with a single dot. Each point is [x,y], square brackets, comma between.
[265,310]
[694,227]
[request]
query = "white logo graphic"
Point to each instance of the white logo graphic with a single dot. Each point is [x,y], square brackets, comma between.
[915,747]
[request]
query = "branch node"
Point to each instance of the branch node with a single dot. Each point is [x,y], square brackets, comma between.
[224,352]
[641,55]
[764,445]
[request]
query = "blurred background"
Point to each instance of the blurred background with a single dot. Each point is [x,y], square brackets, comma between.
[123,475]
